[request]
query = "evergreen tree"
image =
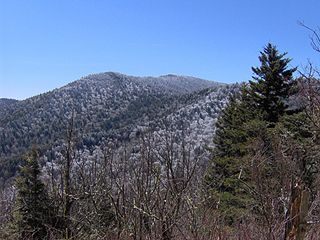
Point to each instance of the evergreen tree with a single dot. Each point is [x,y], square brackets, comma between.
[228,170]
[244,123]
[271,83]
[34,213]
[229,131]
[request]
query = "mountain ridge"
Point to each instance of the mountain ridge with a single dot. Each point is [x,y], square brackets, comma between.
[112,105]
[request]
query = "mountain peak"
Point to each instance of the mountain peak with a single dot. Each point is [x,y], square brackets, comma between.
[169,75]
[112,105]
[174,84]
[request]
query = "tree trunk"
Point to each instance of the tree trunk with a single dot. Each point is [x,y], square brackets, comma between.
[295,228]
[67,181]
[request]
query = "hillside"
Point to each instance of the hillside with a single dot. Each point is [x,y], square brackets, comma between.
[110,106]
[6,104]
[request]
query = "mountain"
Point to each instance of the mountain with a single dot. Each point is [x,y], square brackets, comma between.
[5,104]
[111,106]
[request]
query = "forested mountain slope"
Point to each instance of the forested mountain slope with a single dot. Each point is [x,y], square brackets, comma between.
[110,106]
[6,104]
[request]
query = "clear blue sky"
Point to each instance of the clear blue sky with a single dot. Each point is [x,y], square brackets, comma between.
[45,44]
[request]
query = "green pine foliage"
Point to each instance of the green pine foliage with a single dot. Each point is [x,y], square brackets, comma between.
[247,135]
[228,172]
[271,83]
[229,132]
[34,214]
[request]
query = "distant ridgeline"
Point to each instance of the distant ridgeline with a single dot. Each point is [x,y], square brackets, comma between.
[110,106]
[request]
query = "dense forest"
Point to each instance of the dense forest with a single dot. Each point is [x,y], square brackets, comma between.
[258,178]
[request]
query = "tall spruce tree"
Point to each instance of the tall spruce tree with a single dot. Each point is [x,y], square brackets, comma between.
[227,172]
[34,215]
[245,121]
[271,83]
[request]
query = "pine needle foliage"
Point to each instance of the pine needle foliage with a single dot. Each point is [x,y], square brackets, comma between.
[34,214]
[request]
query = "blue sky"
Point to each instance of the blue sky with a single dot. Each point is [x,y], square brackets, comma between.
[46,44]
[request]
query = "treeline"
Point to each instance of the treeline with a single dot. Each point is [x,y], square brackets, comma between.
[261,183]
